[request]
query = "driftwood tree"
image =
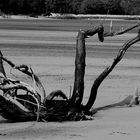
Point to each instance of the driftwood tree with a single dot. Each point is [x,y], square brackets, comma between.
[33,104]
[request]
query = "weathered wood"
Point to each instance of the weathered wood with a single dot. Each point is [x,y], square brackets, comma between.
[106,72]
[78,90]
[29,107]
[25,69]
[2,71]
[129,101]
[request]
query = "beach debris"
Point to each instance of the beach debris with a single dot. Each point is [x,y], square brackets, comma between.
[21,101]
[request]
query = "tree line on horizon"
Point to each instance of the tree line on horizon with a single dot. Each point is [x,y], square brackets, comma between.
[45,7]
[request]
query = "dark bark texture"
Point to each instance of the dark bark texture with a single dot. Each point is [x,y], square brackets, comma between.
[34,105]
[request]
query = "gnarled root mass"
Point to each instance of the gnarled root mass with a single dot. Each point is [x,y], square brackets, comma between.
[20,101]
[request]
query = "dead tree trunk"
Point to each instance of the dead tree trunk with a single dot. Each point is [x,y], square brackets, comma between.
[80,64]
[79,70]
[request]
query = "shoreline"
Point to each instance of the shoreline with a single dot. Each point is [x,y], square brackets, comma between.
[56,16]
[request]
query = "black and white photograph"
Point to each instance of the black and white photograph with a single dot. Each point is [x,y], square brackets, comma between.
[69,69]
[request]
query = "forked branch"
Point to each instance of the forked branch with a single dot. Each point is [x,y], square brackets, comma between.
[78,90]
[28,71]
[106,72]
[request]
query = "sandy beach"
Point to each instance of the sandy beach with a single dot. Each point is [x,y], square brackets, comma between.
[51,54]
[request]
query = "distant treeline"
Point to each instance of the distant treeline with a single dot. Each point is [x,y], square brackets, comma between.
[45,7]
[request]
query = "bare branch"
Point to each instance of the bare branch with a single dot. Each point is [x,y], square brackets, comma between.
[91,32]
[128,101]
[78,90]
[9,98]
[110,34]
[25,69]
[2,71]
[22,68]
[106,72]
